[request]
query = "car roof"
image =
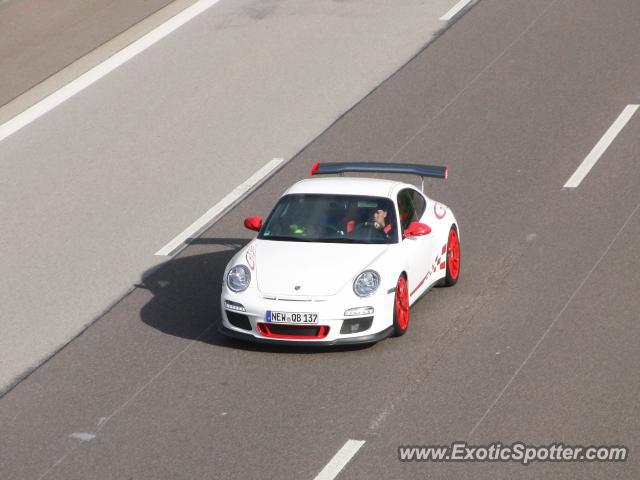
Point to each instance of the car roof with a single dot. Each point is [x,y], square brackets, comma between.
[376,187]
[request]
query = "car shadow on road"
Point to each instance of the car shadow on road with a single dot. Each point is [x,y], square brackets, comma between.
[186,299]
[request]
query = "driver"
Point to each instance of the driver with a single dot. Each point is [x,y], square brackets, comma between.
[378,220]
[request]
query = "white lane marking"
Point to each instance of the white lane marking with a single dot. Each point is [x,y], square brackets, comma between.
[602,145]
[340,459]
[546,332]
[83,81]
[221,207]
[455,10]
[83,436]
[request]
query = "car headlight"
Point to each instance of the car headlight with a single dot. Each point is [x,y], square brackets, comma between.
[238,278]
[366,283]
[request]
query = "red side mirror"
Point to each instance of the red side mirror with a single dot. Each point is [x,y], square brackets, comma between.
[253,223]
[417,229]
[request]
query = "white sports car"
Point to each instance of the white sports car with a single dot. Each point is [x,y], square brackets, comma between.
[340,260]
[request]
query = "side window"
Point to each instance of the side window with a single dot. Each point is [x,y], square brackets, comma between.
[419,203]
[406,208]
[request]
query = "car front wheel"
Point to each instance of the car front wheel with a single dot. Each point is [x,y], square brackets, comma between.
[401,307]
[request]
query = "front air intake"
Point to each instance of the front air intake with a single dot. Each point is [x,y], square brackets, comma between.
[293,332]
[355,325]
[238,320]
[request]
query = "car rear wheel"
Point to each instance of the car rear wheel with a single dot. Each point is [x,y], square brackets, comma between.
[401,308]
[453,257]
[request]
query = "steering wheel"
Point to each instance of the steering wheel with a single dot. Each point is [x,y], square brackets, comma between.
[369,230]
[331,229]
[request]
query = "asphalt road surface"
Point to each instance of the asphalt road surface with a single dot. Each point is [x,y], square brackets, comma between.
[41,37]
[538,342]
[93,188]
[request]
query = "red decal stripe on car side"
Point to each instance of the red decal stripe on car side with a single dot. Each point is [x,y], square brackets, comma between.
[419,285]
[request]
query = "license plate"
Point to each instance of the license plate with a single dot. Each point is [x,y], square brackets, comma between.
[291,317]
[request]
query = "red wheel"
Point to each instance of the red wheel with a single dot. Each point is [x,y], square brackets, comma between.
[401,307]
[453,257]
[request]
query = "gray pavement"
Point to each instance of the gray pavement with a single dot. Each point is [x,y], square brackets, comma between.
[503,98]
[41,37]
[90,191]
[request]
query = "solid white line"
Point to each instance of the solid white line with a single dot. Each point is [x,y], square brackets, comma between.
[220,207]
[340,459]
[606,140]
[455,10]
[546,332]
[83,81]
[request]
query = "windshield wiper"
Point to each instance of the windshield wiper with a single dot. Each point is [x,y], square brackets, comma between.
[346,240]
[321,240]
[286,239]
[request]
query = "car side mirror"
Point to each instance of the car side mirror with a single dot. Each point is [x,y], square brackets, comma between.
[253,223]
[417,229]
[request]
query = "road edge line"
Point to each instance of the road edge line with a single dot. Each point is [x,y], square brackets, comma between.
[96,72]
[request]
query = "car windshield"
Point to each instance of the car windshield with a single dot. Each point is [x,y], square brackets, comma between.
[331,219]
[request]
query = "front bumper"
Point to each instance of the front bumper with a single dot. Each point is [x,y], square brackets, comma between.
[251,324]
[356,340]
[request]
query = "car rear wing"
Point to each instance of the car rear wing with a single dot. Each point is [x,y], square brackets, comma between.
[432,171]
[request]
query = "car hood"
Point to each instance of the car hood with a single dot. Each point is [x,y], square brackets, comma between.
[318,269]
